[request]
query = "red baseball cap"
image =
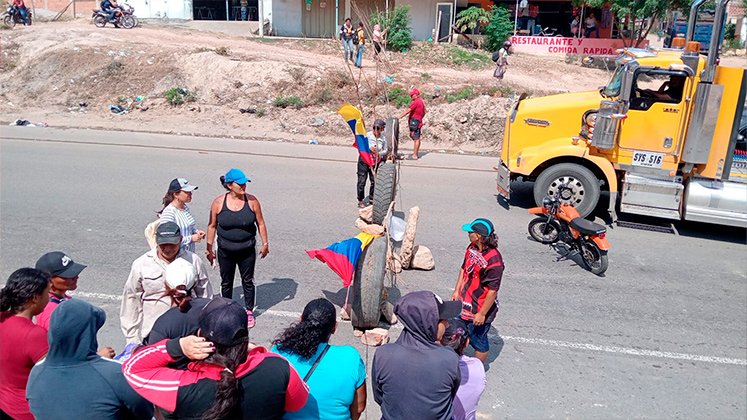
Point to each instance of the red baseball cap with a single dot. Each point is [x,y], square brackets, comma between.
[414,92]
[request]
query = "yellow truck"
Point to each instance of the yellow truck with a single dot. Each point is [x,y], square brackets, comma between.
[662,137]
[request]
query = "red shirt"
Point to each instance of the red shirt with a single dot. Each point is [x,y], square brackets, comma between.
[417,110]
[18,3]
[42,319]
[22,344]
[483,272]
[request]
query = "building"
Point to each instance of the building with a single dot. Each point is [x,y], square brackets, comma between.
[735,14]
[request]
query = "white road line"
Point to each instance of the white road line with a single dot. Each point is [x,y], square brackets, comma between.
[535,341]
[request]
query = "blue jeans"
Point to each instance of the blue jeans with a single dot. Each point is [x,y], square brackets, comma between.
[359,55]
[347,46]
[244,11]
[23,12]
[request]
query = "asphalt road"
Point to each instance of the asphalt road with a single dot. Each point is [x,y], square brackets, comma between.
[662,335]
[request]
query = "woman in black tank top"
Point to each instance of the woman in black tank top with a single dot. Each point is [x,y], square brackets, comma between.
[235,217]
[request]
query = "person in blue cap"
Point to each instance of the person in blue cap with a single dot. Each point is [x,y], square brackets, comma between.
[478,283]
[235,218]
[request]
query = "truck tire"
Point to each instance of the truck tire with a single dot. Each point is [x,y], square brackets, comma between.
[391,134]
[583,192]
[368,285]
[386,177]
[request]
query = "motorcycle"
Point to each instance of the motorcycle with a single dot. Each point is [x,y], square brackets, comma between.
[562,222]
[101,18]
[13,16]
[127,9]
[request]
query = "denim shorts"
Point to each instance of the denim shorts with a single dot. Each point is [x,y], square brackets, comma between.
[478,336]
[415,134]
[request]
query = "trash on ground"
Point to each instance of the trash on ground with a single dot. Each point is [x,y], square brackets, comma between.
[313,141]
[117,109]
[22,123]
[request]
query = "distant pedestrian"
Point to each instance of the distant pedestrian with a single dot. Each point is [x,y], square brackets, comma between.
[244,9]
[336,375]
[235,218]
[73,382]
[346,36]
[590,24]
[361,46]
[144,296]
[501,60]
[478,283]
[175,209]
[415,114]
[64,274]
[230,378]
[377,144]
[471,369]
[378,40]
[22,343]
[416,377]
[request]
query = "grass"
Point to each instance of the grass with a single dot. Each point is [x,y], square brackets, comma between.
[224,51]
[464,93]
[425,77]
[177,96]
[399,97]
[473,59]
[261,112]
[298,74]
[292,101]
[114,68]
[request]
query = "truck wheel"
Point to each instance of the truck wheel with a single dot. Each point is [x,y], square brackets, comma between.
[368,285]
[391,134]
[386,177]
[571,184]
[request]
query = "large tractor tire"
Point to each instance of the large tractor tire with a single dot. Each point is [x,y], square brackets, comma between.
[391,134]
[571,184]
[384,191]
[368,285]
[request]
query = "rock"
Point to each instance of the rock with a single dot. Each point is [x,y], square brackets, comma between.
[375,337]
[345,312]
[422,258]
[358,333]
[409,242]
[369,228]
[316,122]
[366,213]
[387,311]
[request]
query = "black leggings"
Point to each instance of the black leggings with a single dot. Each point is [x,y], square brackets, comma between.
[245,259]
[364,172]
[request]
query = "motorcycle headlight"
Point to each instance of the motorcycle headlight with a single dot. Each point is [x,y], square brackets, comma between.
[547,201]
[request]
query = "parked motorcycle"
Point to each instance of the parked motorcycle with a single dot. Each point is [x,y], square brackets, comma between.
[562,222]
[101,18]
[13,15]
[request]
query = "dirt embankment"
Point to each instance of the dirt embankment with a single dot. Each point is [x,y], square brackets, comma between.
[68,74]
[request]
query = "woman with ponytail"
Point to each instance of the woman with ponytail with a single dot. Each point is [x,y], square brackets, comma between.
[228,378]
[336,375]
[22,343]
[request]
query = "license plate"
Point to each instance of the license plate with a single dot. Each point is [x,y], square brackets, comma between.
[648,159]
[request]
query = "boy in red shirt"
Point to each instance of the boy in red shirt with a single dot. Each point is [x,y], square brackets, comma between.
[416,112]
[478,283]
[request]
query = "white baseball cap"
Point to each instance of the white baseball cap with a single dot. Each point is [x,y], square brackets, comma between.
[180,273]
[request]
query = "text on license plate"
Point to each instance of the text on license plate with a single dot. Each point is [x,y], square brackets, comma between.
[648,159]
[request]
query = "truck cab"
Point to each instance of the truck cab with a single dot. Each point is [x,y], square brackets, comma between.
[662,137]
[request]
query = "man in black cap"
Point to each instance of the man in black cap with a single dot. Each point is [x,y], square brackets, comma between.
[416,377]
[63,272]
[143,297]
[377,145]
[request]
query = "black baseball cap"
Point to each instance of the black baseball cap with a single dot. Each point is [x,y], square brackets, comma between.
[481,226]
[58,264]
[224,321]
[168,233]
[447,309]
[379,123]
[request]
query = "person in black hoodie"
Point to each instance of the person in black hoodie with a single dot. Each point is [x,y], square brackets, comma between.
[74,382]
[415,377]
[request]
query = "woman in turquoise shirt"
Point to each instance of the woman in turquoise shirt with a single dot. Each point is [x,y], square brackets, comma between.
[336,375]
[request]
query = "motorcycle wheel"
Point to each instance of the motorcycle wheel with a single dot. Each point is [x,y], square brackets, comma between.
[99,21]
[128,22]
[9,21]
[594,258]
[543,232]
[137,22]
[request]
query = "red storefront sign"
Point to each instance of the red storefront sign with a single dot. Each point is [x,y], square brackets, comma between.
[562,45]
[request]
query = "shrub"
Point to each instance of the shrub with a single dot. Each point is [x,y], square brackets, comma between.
[500,28]
[475,60]
[114,67]
[425,77]
[734,44]
[224,51]
[472,18]
[399,97]
[397,25]
[288,101]
[464,93]
[298,74]
[177,96]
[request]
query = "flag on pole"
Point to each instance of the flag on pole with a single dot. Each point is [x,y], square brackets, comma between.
[343,256]
[354,118]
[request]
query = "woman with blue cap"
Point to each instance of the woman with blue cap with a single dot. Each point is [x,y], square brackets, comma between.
[235,217]
[478,283]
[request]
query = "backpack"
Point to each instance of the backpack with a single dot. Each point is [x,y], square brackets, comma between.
[355,37]
[496,56]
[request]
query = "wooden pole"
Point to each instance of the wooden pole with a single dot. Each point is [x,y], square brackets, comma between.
[74,15]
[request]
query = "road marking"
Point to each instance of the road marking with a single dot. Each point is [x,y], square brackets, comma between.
[525,340]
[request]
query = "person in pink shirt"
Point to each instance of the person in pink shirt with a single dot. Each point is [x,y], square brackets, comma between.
[415,115]
[471,370]
[22,343]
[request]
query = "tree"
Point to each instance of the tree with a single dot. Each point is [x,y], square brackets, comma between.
[499,29]
[641,15]
[472,18]
[397,25]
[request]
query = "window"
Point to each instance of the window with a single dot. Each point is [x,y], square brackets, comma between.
[652,86]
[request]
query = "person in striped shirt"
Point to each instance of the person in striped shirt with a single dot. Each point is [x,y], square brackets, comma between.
[175,209]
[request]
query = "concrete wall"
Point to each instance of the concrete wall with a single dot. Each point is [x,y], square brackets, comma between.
[286,17]
[423,15]
[156,9]
[82,7]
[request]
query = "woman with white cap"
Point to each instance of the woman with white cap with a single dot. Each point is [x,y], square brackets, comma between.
[175,209]
[235,218]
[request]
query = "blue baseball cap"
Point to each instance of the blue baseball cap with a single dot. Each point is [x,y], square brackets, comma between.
[237,176]
[481,226]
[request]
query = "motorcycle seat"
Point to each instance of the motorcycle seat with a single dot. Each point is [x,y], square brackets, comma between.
[587,227]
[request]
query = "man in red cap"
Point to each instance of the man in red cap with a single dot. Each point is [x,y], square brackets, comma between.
[415,114]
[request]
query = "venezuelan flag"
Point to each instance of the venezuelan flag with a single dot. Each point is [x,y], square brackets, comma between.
[354,118]
[342,256]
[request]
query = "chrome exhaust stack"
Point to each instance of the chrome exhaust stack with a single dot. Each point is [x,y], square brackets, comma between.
[693,19]
[713,48]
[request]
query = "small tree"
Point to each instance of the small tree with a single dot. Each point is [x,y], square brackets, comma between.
[397,25]
[641,15]
[499,29]
[473,18]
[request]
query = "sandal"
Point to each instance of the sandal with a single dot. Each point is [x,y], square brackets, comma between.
[250,321]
